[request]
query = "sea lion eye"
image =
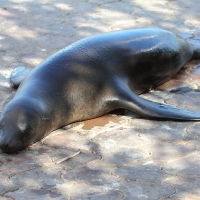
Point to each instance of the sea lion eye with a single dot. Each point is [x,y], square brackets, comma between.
[25,126]
[22,126]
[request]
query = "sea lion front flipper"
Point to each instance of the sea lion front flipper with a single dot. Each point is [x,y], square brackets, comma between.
[148,109]
[18,75]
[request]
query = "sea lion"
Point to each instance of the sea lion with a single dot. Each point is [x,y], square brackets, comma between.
[93,77]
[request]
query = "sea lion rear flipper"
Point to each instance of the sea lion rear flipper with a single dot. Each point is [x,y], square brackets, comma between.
[18,75]
[153,110]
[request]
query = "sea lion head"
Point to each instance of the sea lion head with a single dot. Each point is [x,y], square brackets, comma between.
[20,126]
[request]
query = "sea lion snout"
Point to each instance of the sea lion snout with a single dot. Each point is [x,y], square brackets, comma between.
[17,133]
[11,147]
[12,139]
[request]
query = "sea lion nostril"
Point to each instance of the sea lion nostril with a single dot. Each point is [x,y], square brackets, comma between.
[4,147]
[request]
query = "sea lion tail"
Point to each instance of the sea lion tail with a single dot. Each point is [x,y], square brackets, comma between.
[196,52]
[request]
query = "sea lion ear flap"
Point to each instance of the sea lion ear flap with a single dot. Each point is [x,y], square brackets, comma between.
[45,119]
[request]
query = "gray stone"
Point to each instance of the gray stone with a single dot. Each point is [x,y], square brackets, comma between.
[78,191]
[145,171]
[188,166]
[6,185]
[145,190]
[43,177]
[36,194]
[23,161]
[95,173]
[169,131]
[186,188]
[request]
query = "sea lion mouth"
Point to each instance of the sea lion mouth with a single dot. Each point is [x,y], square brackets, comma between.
[11,148]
